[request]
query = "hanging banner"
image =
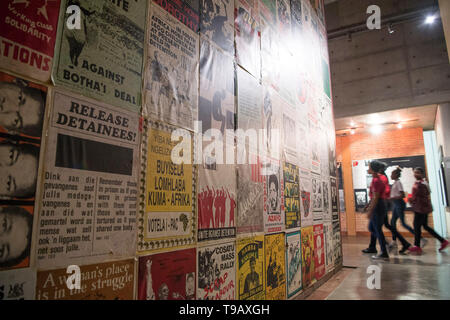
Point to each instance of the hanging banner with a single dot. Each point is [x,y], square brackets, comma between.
[217,23]
[306,195]
[168,215]
[28,36]
[319,252]
[291,195]
[89,198]
[250,268]
[167,276]
[216,272]
[103,281]
[273,197]
[17,284]
[293,263]
[186,11]
[103,59]
[307,256]
[275,263]
[329,247]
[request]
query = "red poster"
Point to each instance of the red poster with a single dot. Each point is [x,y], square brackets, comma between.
[27,36]
[167,276]
[319,251]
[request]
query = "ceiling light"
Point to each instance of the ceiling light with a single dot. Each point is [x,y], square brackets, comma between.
[377,129]
[352,123]
[352,131]
[399,125]
[391,29]
[430,19]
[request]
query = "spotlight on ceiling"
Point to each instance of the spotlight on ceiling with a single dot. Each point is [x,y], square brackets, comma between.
[399,125]
[376,129]
[352,131]
[391,29]
[430,19]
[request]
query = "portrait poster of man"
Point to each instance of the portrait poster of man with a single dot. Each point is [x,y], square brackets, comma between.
[216,279]
[273,214]
[167,276]
[275,263]
[291,195]
[250,268]
[329,247]
[103,59]
[306,196]
[28,50]
[308,260]
[293,263]
[217,23]
[319,252]
[171,74]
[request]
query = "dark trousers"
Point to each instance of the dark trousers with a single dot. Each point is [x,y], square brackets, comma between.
[376,226]
[398,212]
[421,220]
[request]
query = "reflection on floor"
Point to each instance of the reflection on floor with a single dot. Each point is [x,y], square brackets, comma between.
[407,277]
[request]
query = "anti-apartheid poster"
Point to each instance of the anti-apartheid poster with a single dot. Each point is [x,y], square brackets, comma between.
[250,268]
[17,284]
[270,44]
[303,140]
[319,251]
[27,36]
[291,195]
[88,205]
[326,188]
[216,103]
[167,276]
[272,123]
[249,99]
[216,279]
[315,133]
[329,247]
[307,256]
[334,199]
[186,11]
[217,23]
[293,263]
[171,76]
[273,196]
[103,58]
[246,23]
[217,210]
[306,196]
[21,122]
[168,218]
[103,281]
[275,264]
[317,197]
[289,132]
[250,196]
[284,17]
[337,243]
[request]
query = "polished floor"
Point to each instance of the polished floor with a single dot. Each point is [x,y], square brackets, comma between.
[403,277]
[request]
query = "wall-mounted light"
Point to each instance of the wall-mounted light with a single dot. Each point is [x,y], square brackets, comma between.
[430,19]
[376,129]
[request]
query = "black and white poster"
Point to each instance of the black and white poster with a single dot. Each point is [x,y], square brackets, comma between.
[217,23]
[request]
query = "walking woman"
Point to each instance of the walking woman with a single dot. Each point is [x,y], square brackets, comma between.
[421,204]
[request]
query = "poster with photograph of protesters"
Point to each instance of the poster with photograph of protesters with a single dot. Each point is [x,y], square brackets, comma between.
[250,271]
[319,252]
[171,74]
[273,199]
[27,36]
[186,11]
[306,197]
[326,188]
[216,279]
[275,266]
[167,276]
[291,195]
[293,263]
[317,197]
[308,260]
[329,246]
[104,58]
[217,23]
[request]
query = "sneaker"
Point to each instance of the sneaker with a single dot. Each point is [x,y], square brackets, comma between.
[415,249]
[443,245]
[423,242]
[380,256]
[404,249]
[369,250]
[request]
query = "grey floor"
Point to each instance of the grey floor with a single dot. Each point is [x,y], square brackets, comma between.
[407,277]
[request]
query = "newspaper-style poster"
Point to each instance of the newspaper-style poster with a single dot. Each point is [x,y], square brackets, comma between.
[171,76]
[103,281]
[291,195]
[273,196]
[217,209]
[250,196]
[306,196]
[250,268]
[216,279]
[17,284]
[315,134]
[329,246]
[248,49]
[334,199]
[21,121]
[167,217]
[249,100]
[27,37]
[272,123]
[167,276]
[307,235]
[324,150]
[186,11]
[319,251]
[293,263]
[337,243]
[326,188]
[303,140]
[104,58]
[87,210]
[289,133]
[216,102]
[317,197]
[275,263]
[270,44]
[217,23]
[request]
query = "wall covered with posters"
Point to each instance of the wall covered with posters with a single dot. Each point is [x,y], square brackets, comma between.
[177,149]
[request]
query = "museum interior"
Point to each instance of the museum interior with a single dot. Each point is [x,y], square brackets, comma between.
[269,149]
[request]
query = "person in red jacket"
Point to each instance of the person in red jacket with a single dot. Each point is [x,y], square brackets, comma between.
[421,204]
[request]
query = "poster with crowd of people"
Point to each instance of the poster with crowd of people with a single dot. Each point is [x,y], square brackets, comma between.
[291,195]
[250,270]
[275,264]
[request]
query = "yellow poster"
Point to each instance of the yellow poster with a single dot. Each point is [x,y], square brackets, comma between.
[167,218]
[307,256]
[250,268]
[275,267]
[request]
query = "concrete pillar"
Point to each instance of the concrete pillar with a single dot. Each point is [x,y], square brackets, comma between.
[347,176]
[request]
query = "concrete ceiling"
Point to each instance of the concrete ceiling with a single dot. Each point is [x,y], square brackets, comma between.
[415,117]
[329,1]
